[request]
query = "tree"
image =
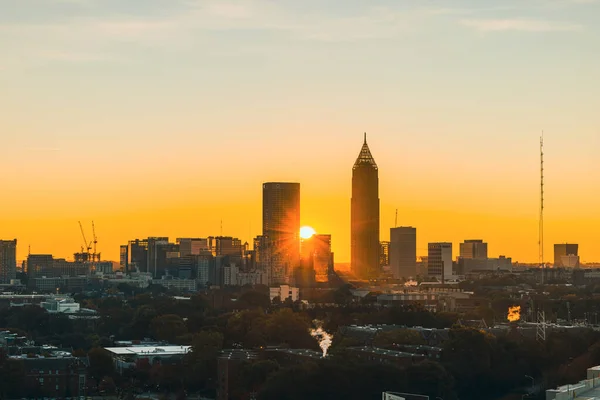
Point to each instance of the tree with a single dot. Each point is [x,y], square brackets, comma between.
[254,299]
[101,364]
[253,375]
[398,337]
[285,326]
[168,327]
[201,363]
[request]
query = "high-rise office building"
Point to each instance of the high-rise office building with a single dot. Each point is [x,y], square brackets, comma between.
[192,246]
[316,254]
[365,246]
[8,260]
[473,249]
[439,260]
[403,252]
[281,229]
[563,250]
[384,254]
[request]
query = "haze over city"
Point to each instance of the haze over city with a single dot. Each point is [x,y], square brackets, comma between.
[165,118]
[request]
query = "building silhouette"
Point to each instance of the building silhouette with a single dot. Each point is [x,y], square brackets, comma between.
[564,250]
[473,249]
[439,260]
[281,229]
[384,254]
[316,255]
[8,260]
[365,245]
[403,252]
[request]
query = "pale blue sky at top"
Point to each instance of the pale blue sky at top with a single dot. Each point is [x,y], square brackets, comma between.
[454,95]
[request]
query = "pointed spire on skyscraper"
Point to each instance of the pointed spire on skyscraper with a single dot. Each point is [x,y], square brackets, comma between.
[365,156]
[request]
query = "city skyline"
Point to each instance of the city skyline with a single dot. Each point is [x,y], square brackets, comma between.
[156,118]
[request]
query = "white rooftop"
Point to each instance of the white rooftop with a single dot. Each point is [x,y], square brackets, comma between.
[149,350]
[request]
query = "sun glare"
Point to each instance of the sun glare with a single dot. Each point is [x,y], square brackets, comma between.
[306,232]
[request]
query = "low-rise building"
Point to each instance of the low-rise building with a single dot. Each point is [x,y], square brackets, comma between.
[64,305]
[285,292]
[384,356]
[51,372]
[130,357]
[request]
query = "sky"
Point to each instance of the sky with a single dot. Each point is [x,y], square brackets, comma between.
[164,117]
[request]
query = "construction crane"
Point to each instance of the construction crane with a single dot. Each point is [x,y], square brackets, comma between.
[88,246]
[95,255]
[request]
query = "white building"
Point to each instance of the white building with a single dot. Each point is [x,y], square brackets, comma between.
[65,305]
[128,357]
[285,292]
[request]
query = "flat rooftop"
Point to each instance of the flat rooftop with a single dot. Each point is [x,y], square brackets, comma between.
[149,350]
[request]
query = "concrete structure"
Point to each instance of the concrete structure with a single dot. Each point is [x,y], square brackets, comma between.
[51,372]
[469,265]
[586,389]
[281,229]
[284,292]
[403,252]
[564,249]
[473,249]
[130,357]
[570,261]
[65,305]
[402,396]
[8,261]
[439,260]
[364,241]
[183,285]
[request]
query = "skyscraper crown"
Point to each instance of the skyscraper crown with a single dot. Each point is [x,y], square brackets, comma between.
[365,157]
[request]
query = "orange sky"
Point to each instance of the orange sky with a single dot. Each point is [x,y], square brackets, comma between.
[162,118]
[189,197]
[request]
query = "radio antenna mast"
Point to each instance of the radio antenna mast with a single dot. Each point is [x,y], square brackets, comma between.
[396,221]
[541,227]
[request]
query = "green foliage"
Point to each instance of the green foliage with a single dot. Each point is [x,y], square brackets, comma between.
[400,336]
[168,327]
[101,364]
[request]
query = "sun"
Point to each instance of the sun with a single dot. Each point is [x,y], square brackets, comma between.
[306,232]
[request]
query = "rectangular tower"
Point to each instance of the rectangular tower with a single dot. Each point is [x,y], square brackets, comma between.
[439,260]
[281,229]
[364,219]
[8,260]
[403,252]
[473,249]
[562,250]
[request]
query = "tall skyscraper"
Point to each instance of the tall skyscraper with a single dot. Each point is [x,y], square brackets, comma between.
[439,260]
[316,253]
[8,260]
[365,246]
[403,252]
[473,249]
[281,229]
[563,250]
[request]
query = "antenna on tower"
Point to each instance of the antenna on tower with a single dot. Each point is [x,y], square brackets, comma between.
[396,221]
[541,227]
[221,227]
[541,314]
